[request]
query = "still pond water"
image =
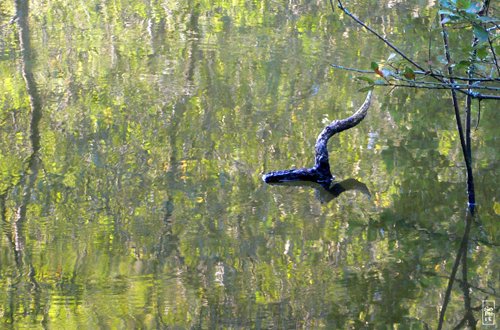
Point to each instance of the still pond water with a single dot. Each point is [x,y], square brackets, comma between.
[143,205]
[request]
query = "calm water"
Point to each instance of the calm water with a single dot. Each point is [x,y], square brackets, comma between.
[143,206]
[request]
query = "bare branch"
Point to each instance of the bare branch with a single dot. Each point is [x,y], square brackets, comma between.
[457,110]
[321,173]
[494,55]
[431,85]
[419,85]
[375,33]
[425,73]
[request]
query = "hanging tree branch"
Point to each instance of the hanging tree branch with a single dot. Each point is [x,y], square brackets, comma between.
[446,80]
[495,60]
[367,27]
[425,73]
[470,88]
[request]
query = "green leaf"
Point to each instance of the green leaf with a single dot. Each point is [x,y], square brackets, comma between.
[482,52]
[366,89]
[368,80]
[374,66]
[480,33]
[409,73]
[445,12]
[462,65]
[474,8]
[463,4]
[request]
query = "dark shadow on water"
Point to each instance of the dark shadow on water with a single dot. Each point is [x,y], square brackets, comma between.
[461,258]
[32,164]
[468,320]
[326,192]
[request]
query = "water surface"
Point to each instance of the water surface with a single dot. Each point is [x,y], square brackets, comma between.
[144,207]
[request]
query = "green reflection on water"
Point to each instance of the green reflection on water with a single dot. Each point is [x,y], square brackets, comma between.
[159,119]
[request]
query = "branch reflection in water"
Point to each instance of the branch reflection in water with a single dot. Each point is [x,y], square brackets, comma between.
[325,191]
[19,194]
[461,258]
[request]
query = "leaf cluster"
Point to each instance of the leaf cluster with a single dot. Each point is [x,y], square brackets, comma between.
[480,56]
[471,15]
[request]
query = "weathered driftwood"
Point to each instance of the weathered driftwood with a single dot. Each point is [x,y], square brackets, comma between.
[321,173]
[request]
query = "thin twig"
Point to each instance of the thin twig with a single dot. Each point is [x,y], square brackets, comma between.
[459,78]
[351,69]
[465,284]
[457,112]
[468,109]
[461,282]
[416,85]
[478,114]
[375,33]
[450,86]
[426,73]
[430,85]
[484,12]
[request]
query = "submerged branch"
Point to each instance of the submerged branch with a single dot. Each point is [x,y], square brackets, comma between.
[321,173]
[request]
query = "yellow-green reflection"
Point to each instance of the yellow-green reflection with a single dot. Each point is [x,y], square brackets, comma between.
[159,118]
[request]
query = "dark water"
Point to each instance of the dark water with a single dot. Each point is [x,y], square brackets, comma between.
[143,205]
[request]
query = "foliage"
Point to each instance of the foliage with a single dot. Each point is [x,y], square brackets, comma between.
[465,17]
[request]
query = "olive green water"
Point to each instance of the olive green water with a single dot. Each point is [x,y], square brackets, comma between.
[144,206]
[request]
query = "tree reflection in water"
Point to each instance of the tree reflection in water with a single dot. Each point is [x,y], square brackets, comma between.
[138,217]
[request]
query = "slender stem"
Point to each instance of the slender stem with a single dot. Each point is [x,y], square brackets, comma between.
[448,288]
[431,85]
[459,78]
[494,55]
[426,73]
[466,154]
[375,33]
[468,106]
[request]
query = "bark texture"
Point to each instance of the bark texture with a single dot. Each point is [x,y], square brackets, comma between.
[320,172]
